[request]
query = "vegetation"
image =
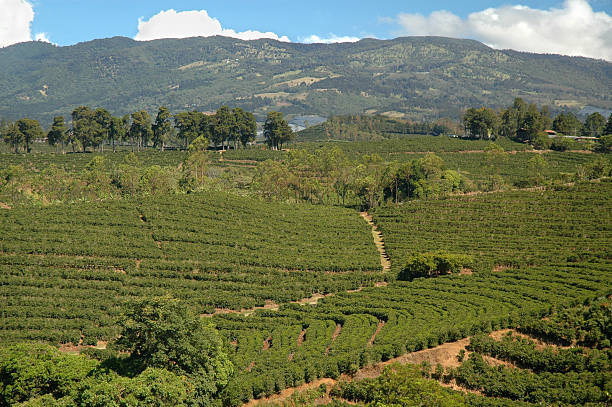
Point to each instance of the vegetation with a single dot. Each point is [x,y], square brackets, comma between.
[572,376]
[199,277]
[97,254]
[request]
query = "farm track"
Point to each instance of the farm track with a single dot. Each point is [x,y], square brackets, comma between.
[379,242]
[513,152]
[445,355]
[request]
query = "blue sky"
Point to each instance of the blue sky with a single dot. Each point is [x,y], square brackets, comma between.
[70,21]
[66,22]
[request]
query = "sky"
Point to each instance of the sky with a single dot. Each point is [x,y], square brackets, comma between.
[569,27]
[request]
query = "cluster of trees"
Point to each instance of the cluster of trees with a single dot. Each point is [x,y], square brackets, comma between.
[92,128]
[372,127]
[170,356]
[527,122]
[103,179]
[277,131]
[433,265]
[329,176]
[21,133]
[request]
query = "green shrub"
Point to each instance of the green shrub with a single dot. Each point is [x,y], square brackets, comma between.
[433,264]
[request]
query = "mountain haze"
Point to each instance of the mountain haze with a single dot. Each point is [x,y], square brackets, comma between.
[412,77]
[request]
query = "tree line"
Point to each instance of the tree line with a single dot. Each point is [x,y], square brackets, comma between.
[527,123]
[93,128]
[329,176]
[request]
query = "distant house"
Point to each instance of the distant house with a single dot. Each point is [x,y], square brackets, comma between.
[551,133]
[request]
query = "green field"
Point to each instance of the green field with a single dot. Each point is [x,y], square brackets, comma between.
[66,270]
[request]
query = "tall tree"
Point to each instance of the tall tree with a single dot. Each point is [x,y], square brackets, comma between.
[480,123]
[140,130]
[531,124]
[57,133]
[567,123]
[189,125]
[162,128]
[608,128]
[224,124]
[116,131]
[102,125]
[594,125]
[83,126]
[12,135]
[31,131]
[276,130]
[245,129]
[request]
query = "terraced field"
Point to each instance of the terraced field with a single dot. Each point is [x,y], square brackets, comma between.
[66,270]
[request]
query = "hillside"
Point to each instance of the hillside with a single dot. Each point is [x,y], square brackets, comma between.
[414,77]
[67,270]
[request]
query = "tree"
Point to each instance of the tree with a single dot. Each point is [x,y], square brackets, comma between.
[594,125]
[223,126]
[604,144]
[31,130]
[567,123]
[162,128]
[12,135]
[276,130]
[608,129]
[84,127]
[530,125]
[140,130]
[190,125]
[196,164]
[512,118]
[102,124]
[480,123]
[117,130]
[245,126]
[537,166]
[163,333]
[57,133]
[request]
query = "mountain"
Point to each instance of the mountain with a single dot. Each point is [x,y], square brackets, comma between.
[412,77]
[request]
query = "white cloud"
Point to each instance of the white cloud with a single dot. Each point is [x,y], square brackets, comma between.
[16,16]
[42,37]
[315,39]
[15,19]
[195,23]
[573,29]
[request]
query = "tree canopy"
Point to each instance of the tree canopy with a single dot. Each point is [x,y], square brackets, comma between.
[163,333]
[277,131]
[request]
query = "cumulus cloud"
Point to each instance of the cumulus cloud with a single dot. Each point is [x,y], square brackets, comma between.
[573,29]
[16,16]
[195,23]
[315,39]
[15,19]
[42,37]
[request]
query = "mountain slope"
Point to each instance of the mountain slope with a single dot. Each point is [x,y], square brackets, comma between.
[417,77]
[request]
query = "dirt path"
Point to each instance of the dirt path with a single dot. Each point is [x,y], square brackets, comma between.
[378,328]
[333,338]
[378,241]
[513,152]
[445,355]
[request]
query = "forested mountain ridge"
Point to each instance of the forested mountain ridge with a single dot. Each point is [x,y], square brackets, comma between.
[413,77]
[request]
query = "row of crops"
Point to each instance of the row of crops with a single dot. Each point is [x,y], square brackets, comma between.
[565,225]
[66,270]
[510,371]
